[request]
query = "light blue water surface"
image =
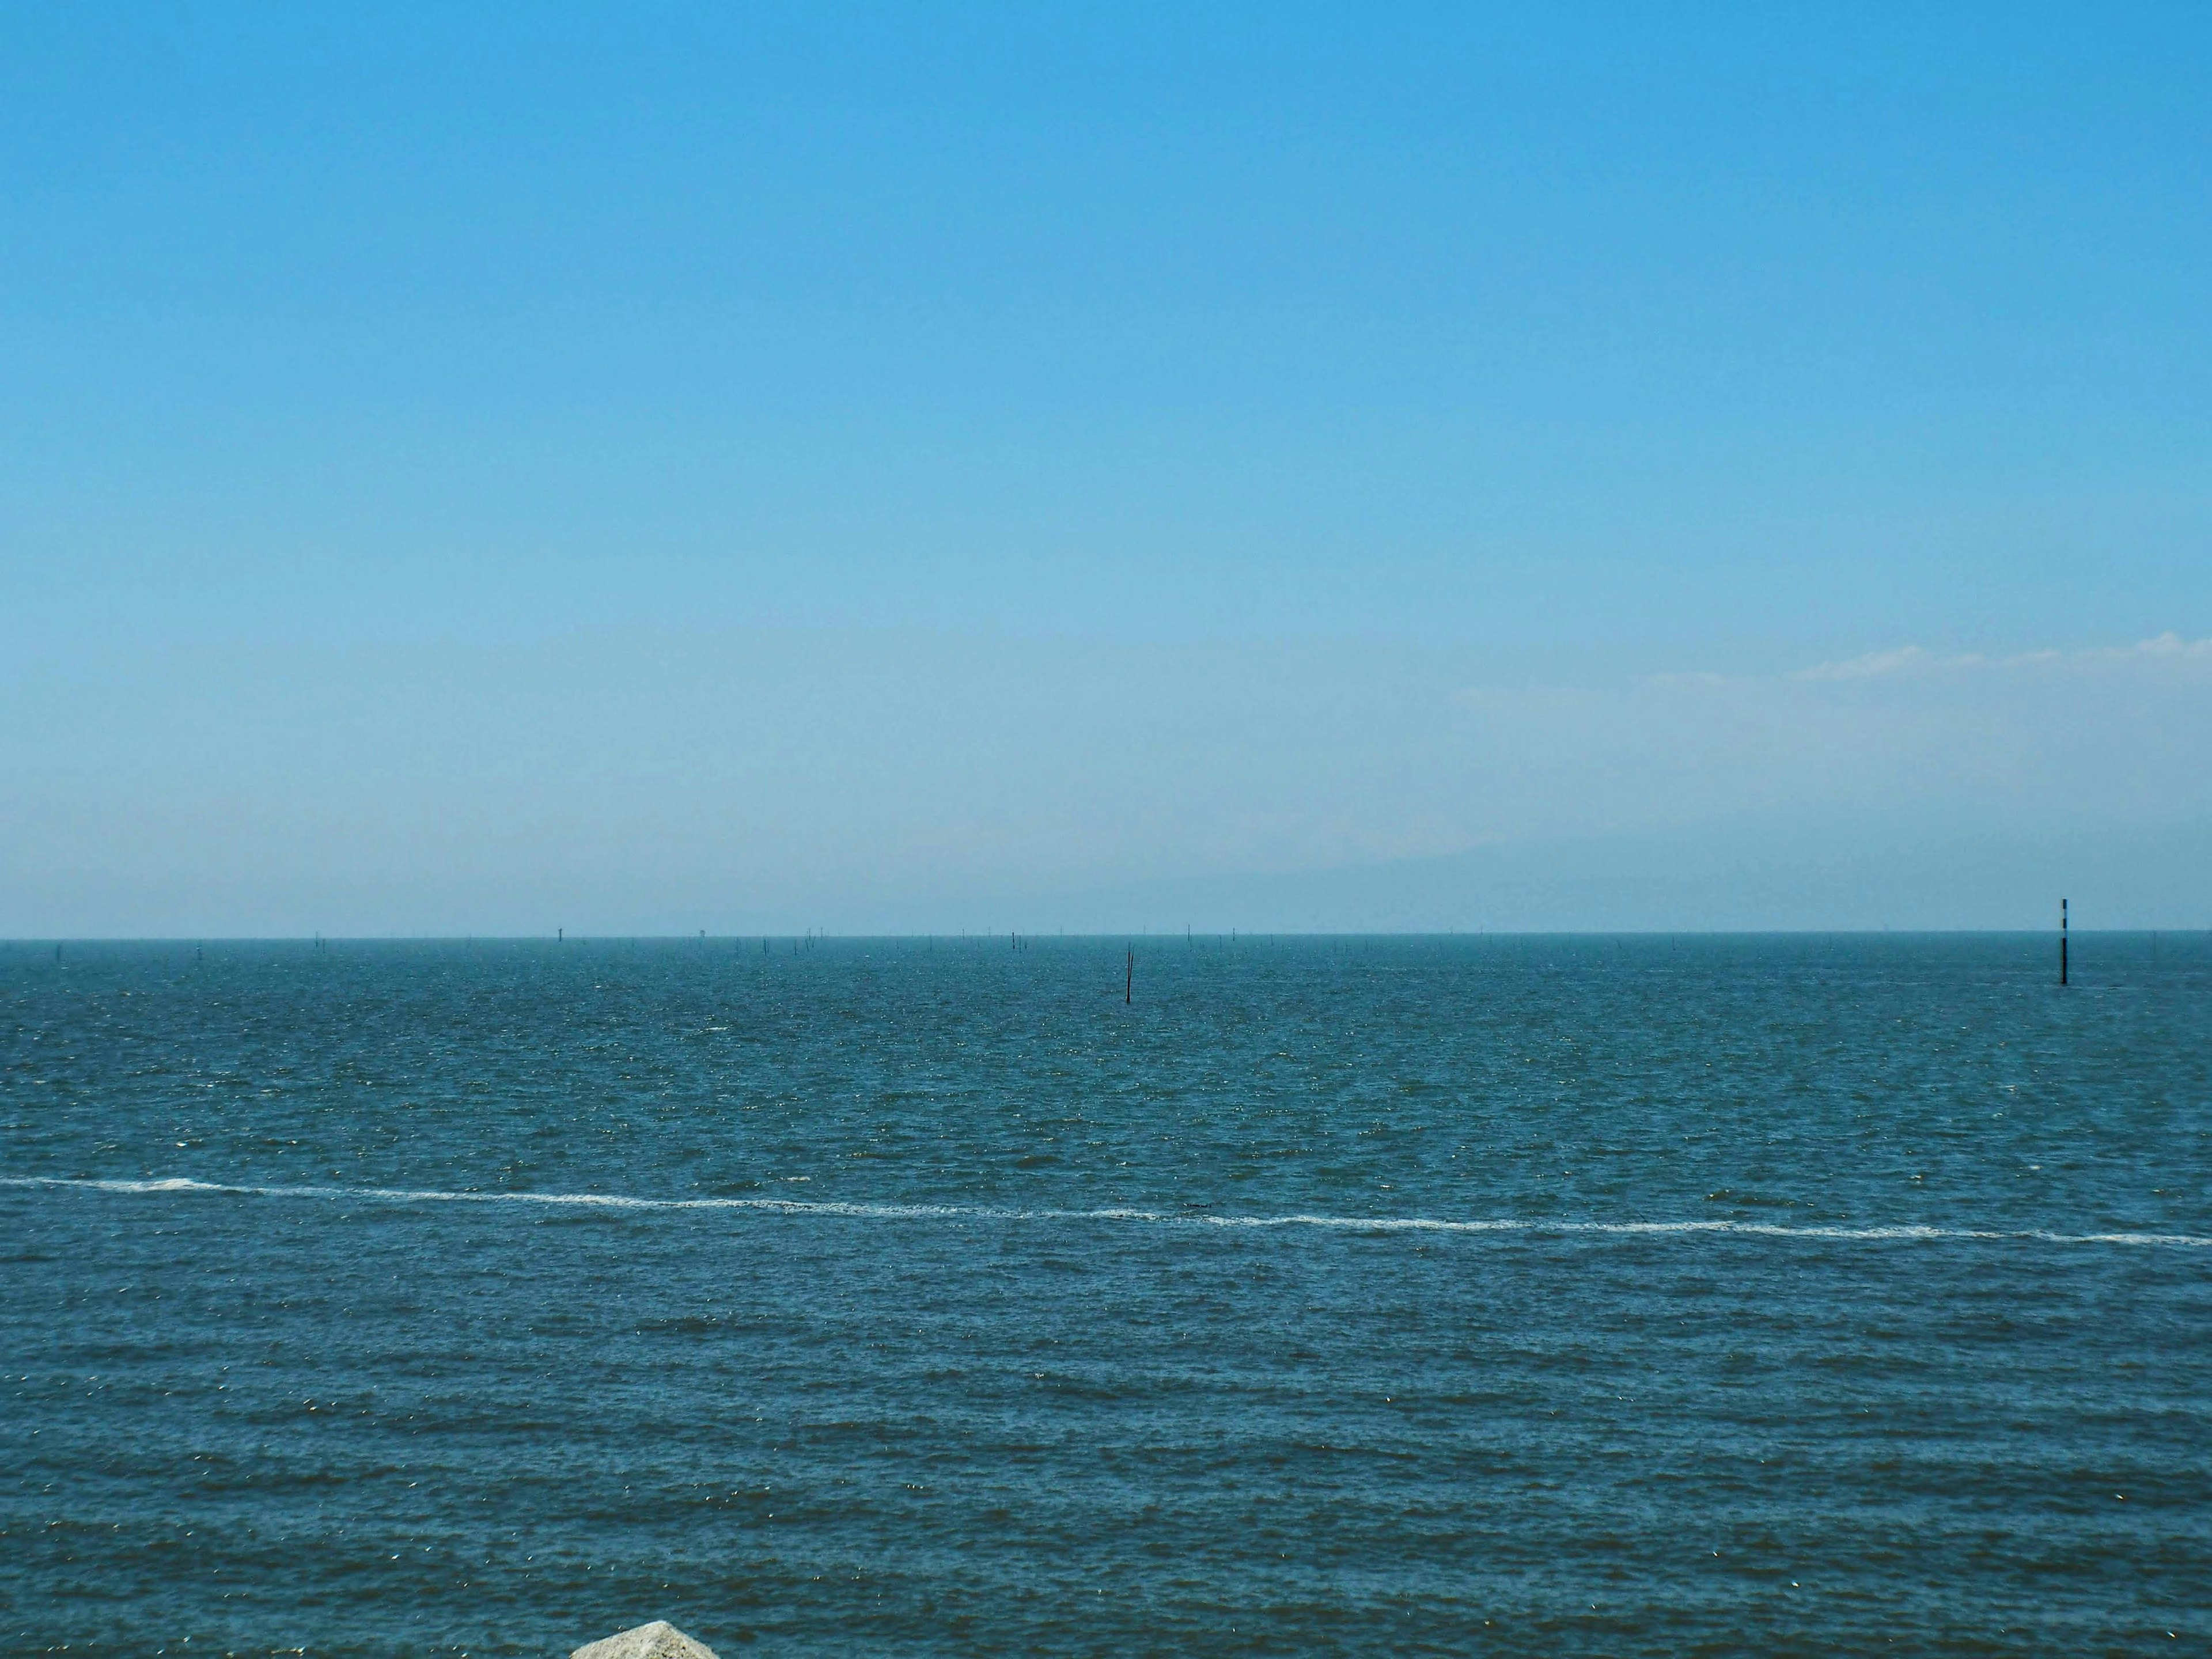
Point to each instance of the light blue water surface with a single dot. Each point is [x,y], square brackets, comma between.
[1562,1296]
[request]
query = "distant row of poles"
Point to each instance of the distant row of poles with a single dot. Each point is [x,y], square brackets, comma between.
[1019,942]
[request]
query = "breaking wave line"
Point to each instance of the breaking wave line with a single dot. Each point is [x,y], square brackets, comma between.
[178,1184]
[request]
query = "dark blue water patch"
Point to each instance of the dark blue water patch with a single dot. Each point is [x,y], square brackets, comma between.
[365,1425]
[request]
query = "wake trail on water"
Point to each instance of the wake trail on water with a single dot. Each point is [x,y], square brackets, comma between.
[178,1185]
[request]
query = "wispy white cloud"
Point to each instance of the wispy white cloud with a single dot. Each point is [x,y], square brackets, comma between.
[1873,663]
[2168,647]
[2170,644]
[2122,734]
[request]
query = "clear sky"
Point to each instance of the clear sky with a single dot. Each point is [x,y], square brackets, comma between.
[483,468]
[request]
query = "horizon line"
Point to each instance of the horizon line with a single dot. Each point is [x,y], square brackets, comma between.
[1028,936]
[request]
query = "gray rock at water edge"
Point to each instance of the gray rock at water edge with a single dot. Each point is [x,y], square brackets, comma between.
[658,1640]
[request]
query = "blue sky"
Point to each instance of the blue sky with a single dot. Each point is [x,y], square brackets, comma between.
[1395,408]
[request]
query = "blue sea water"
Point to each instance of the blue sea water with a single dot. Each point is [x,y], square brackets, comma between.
[1545,1296]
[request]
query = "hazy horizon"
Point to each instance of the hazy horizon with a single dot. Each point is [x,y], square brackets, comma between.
[783,943]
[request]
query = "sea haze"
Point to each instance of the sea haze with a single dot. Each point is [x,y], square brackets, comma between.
[1580,1295]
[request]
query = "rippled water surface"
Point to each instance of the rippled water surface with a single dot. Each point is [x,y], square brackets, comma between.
[1445,1296]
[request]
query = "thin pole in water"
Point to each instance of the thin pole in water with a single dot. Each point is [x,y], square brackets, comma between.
[1128,985]
[2062,941]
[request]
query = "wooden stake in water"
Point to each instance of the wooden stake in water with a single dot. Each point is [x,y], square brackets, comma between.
[2062,941]
[1128,985]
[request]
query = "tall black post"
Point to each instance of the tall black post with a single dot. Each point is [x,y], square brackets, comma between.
[2062,941]
[1129,985]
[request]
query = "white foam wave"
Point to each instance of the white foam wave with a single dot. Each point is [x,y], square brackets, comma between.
[178,1184]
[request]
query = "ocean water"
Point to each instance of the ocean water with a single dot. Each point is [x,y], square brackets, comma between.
[1566,1296]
